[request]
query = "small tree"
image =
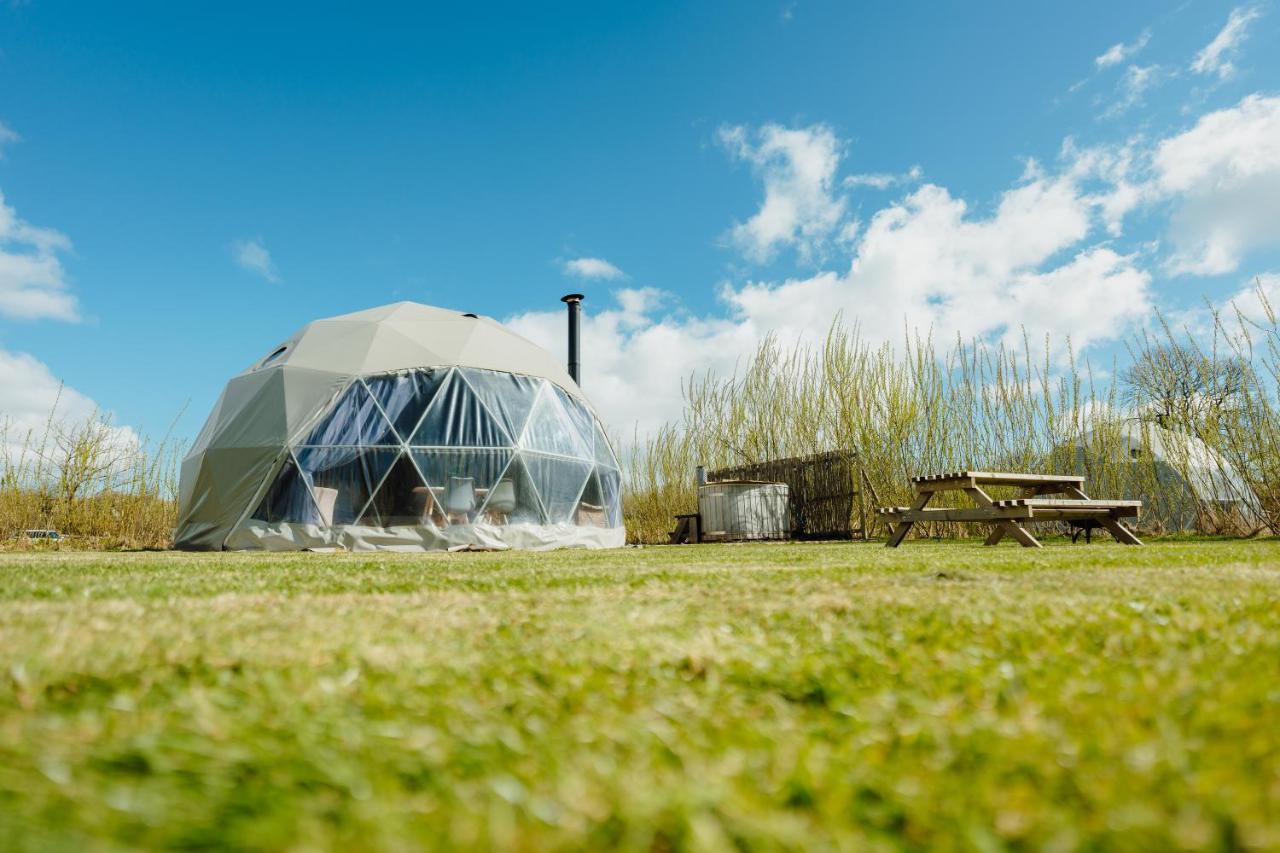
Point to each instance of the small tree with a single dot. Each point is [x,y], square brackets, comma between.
[1181,387]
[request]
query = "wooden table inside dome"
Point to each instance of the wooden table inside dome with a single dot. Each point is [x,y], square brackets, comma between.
[1045,497]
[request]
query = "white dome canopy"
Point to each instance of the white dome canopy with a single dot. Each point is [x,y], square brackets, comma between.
[406,335]
[404,426]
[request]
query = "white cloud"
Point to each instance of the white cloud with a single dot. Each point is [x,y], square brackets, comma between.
[592,268]
[1111,173]
[1217,55]
[883,180]
[35,407]
[33,283]
[7,137]
[253,256]
[926,262]
[1119,52]
[800,208]
[1134,84]
[1223,176]
[1044,259]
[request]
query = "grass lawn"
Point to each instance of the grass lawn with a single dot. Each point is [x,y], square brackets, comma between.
[801,696]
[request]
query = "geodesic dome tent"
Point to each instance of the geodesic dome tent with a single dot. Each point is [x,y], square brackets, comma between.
[1183,483]
[403,427]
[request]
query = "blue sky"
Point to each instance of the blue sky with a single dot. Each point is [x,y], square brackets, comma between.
[185,185]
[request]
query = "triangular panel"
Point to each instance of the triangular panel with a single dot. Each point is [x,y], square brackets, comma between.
[559,483]
[509,397]
[604,453]
[460,479]
[342,479]
[611,492]
[337,346]
[403,499]
[405,396]
[592,509]
[288,499]
[353,420]
[513,498]
[551,430]
[252,412]
[579,415]
[391,350]
[457,418]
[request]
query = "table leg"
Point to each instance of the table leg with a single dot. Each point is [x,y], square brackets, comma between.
[1006,526]
[1018,532]
[1119,531]
[904,527]
[998,533]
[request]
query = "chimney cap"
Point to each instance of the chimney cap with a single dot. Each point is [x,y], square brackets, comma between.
[572,297]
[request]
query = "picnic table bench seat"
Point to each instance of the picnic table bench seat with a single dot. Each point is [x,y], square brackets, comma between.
[1008,515]
[1069,503]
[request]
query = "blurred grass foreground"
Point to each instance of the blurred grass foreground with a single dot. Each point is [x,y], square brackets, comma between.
[799,696]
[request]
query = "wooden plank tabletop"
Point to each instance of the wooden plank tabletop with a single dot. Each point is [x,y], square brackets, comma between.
[1001,478]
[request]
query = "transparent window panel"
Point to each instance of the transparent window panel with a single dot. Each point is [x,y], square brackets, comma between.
[403,499]
[508,396]
[354,420]
[604,453]
[559,482]
[405,396]
[342,479]
[288,499]
[579,415]
[611,492]
[457,418]
[513,498]
[460,479]
[592,510]
[551,430]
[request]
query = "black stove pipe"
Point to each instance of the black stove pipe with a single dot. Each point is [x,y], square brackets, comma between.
[574,301]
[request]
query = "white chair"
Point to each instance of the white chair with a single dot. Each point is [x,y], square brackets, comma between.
[460,499]
[326,500]
[502,501]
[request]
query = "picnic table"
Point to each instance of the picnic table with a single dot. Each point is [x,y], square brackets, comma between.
[1066,502]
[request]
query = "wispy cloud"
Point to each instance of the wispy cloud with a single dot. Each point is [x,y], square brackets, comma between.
[1120,51]
[1218,55]
[1133,86]
[253,256]
[883,180]
[593,268]
[8,136]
